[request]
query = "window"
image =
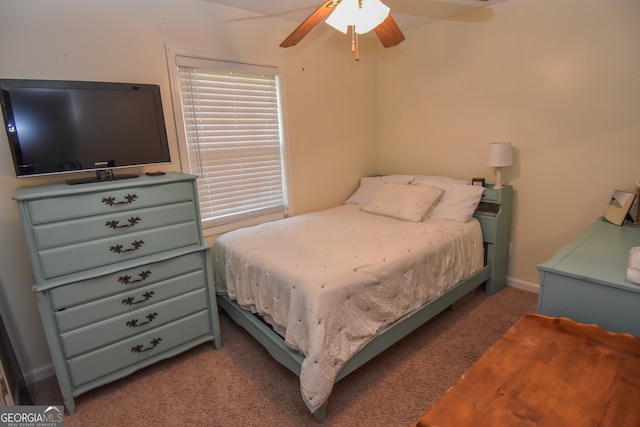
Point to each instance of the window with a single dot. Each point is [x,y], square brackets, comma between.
[228,118]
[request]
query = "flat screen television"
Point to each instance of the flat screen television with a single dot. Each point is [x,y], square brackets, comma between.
[56,127]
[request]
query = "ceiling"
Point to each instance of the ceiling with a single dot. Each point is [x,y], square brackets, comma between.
[407,13]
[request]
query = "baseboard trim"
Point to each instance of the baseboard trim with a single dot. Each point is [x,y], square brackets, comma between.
[525,286]
[39,374]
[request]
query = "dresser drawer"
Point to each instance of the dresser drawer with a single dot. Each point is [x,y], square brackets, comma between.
[62,233]
[123,354]
[114,200]
[125,325]
[125,280]
[128,302]
[82,256]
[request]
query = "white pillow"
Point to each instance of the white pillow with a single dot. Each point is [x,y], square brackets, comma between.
[442,179]
[458,201]
[369,186]
[408,202]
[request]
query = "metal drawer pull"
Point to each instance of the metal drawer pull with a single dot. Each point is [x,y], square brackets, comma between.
[111,201]
[119,249]
[139,349]
[115,224]
[145,297]
[133,323]
[126,280]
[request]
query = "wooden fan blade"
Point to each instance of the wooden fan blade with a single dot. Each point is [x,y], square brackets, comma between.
[308,24]
[389,33]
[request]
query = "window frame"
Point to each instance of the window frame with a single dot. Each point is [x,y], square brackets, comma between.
[173,53]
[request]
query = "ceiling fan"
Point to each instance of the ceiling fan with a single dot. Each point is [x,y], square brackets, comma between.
[357,16]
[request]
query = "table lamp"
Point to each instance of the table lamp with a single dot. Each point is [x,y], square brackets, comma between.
[499,156]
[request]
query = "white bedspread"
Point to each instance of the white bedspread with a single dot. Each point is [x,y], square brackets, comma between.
[329,281]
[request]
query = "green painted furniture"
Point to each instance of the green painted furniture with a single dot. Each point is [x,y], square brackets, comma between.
[494,215]
[122,275]
[585,280]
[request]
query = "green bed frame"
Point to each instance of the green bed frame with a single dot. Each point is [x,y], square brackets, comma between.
[494,215]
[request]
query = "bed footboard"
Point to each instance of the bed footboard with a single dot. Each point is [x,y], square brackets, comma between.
[391,334]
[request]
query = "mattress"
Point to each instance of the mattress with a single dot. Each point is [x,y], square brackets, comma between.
[328,281]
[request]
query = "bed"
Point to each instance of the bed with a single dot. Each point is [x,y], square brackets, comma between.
[327,291]
[547,371]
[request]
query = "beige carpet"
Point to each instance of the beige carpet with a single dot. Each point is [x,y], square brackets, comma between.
[241,385]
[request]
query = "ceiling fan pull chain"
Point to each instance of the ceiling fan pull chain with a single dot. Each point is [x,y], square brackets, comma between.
[354,42]
[353,38]
[357,52]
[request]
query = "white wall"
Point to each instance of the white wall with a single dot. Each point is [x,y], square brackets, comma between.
[330,102]
[559,79]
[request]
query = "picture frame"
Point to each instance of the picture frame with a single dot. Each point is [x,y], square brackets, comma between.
[636,222]
[619,205]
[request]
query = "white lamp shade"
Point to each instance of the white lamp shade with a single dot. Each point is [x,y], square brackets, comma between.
[370,15]
[500,154]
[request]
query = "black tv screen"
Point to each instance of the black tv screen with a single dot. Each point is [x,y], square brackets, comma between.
[58,126]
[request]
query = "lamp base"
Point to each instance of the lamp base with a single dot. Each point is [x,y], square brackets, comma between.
[499,183]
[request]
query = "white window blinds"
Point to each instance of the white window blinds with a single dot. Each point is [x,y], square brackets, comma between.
[231,116]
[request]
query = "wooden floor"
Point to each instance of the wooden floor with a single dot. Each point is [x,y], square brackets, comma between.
[547,372]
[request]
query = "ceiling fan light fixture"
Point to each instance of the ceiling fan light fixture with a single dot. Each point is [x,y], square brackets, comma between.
[365,18]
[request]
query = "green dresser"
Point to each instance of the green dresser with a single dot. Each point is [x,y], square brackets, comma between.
[585,280]
[122,275]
